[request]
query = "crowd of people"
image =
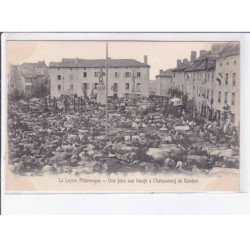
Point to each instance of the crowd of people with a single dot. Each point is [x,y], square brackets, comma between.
[70,134]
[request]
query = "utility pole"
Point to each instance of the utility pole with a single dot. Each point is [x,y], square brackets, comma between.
[133,87]
[107,88]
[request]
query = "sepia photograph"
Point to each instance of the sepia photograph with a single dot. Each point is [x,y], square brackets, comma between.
[122,116]
[126,121]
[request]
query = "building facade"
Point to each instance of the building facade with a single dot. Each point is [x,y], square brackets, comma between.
[29,79]
[80,77]
[164,81]
[199,78]
[179,81]
[211,82]
[227,84]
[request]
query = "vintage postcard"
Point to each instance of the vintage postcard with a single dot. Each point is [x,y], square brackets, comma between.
[122,116]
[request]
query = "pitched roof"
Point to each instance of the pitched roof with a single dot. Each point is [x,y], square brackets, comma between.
[31,74]
[166,73]
[181,67]
[203,62]
[96,63]
[230,49]
[201,65]
[39,64]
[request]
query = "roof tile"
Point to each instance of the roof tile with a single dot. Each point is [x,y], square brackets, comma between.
[96,63]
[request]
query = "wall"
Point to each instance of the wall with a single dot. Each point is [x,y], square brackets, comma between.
[179,81]
[17,82]
[228,66]
[75,77]
[163,84]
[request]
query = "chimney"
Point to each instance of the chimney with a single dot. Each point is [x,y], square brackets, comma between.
[178,62]
[193,56]
[146,59]
[202,52]
[185,60]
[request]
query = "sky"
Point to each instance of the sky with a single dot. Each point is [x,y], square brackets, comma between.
[161,55]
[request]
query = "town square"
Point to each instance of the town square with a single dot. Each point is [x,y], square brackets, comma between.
[83,116]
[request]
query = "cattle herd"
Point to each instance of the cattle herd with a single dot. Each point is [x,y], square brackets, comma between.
[53,136]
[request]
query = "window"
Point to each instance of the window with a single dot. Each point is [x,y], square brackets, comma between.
[59,77]
[127,74]
[212,77]
[59,87]
[85,85]
[212,97]
[234,62]
[219,97]
[71,77]
[116,74]
[138,86]
[84,74]
[127,86]
[72,87]
[227,63]
[225,98]
[207,94]
[115,88]
[226,80]
[220,64]
[96,74]
[138,74]
[234,79]
[233,99]
[95,85]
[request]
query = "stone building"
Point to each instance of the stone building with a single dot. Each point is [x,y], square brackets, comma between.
[227,84]
[199,77]
[179,75]
[164,81]
[210,81]
[29,79]
[81,77]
